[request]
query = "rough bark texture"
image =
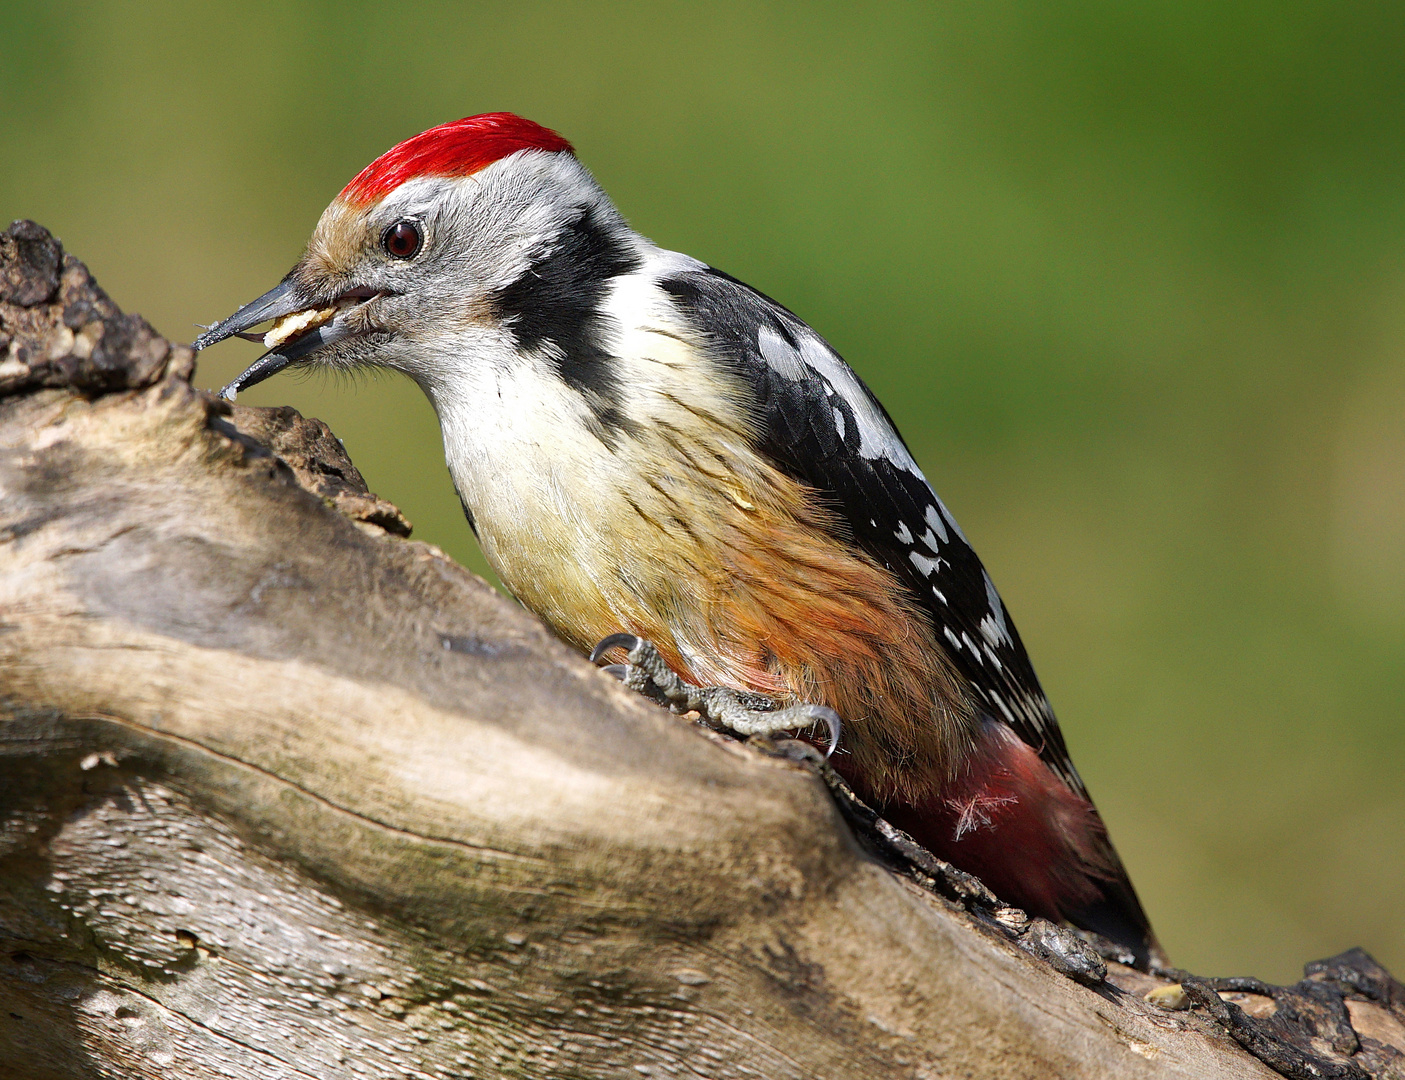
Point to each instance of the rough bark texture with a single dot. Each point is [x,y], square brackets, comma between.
[285,794]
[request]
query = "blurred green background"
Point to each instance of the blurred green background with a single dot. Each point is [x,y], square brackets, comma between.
[1130,277]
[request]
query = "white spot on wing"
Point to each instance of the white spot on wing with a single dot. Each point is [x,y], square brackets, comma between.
[839,422]
[877,439]
[903,535]
[930,540]
[925,566]
[998,631]
[783,359]
[1039,705]
[952,521]
[934,521]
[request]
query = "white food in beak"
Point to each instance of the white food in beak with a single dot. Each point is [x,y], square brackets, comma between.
[290,326]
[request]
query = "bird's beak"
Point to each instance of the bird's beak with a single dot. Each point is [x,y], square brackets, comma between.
[301,326]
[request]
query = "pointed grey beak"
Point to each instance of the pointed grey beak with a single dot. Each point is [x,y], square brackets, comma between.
[282,300]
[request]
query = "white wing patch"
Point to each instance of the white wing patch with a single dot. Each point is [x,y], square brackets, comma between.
[935,523]
[877,439]
[994,695]
[925,566]
[783,359]
[997,631]
[950,520]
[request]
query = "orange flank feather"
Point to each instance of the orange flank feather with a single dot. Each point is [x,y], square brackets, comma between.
[799,614]
[752,589]
[765,596]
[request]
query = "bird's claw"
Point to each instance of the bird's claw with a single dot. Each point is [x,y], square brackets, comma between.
[738,711]
[627,642]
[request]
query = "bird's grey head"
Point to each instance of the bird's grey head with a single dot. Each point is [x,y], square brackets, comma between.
[434,255]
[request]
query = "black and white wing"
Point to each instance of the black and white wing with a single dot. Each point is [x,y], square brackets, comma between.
[824,427]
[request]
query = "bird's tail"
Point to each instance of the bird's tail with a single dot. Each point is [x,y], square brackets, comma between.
[1038,844]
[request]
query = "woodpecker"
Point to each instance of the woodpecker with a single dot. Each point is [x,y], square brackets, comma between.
[652,453]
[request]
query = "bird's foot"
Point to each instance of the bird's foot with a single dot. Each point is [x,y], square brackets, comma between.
[738,711]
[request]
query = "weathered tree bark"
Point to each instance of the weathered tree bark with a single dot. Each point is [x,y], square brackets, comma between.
[285,794]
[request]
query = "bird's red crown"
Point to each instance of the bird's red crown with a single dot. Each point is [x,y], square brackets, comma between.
[458,148]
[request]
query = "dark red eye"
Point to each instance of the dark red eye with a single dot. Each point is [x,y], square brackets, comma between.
[402,240]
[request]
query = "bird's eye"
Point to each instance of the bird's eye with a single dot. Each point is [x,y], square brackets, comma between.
[402,240]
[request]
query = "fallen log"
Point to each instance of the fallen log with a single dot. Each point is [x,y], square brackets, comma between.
[286,794]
